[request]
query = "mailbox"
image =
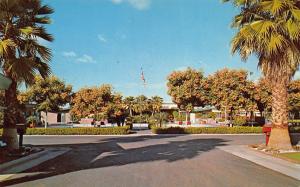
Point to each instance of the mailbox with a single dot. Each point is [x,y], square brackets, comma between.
[21,130]
[267,130]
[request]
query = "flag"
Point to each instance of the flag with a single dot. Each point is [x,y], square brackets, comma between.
[143,77]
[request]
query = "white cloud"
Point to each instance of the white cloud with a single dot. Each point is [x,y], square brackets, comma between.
[138,4]
[69,54]
[102,38]
[86,59]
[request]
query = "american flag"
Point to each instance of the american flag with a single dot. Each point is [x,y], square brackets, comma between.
[143,77]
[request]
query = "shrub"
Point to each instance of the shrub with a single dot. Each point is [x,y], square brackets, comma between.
[294,129]
[207,130]
[140,119]
[239,121]
[77,131]
[152,122]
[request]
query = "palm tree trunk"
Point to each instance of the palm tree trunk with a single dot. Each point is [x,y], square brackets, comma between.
[280,138]
[10,115]
[130,112]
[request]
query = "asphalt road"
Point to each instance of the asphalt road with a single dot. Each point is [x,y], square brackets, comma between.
[142,161]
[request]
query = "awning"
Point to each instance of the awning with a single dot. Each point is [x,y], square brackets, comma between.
[4,82]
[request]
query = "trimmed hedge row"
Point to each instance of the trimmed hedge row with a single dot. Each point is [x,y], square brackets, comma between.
[214,130]
[77,131]
[207,130]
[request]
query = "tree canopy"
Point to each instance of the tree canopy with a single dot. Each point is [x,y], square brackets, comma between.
[48,94]
[228,89]
[186,87]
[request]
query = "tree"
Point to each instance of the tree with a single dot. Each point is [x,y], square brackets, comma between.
[294,98]
[1,105]
[92,101]
[270,29]
[21,55]
[229,90]
[116,109]
[155,104]
[141,104]
[186,87]
[49,94]
[263,96]
[129,104]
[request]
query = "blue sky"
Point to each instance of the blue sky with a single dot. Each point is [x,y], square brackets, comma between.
[108,41]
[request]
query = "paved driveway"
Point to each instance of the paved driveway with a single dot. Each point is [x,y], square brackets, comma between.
[187,160]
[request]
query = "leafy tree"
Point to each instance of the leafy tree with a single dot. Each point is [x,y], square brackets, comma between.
[1,105]
[229,90]
[48,94]
[21,55]
[263,96]
[186,87]
[92,101]
[270,29]
[116,109]
[294,97]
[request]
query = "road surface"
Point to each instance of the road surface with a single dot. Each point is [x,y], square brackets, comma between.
[145,160]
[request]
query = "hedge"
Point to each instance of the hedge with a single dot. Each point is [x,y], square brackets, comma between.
[214,130]
[77,131]
[207,130]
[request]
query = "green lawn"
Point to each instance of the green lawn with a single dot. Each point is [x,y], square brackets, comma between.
[295,157]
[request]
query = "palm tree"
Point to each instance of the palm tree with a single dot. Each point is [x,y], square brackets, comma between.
[21,54]
[155,103]
[129,104]
[270,29]
[140,104]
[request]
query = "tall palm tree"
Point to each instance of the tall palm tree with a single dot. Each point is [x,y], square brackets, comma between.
[155,103]
[129,104]
[270,29]
[21,54]
[141,104]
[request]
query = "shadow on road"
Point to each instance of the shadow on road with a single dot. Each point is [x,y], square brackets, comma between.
[112,152]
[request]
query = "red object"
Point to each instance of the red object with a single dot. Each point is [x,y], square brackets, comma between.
[188,123]
[180,122]
[267,130]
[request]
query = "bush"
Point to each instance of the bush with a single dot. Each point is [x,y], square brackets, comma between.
[140,119]
[294,129]
[77,131]
[152,121]
[207,130]
[294,121]
[221,120]
[239,121]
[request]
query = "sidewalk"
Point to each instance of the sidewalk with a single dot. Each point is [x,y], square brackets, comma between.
[11,168]
[273,163]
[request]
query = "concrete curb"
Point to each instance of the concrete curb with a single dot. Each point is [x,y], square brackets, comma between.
[16,166]
[267,161]
[132,135]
